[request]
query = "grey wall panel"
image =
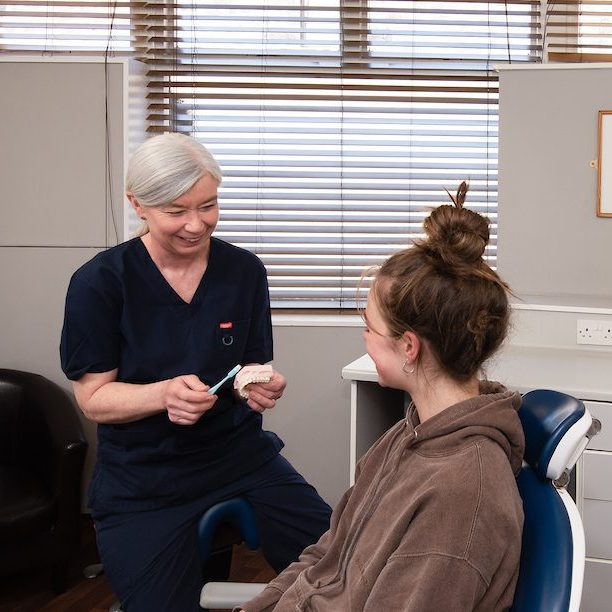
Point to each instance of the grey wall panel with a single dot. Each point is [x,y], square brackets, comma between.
[34,283]
[313,416]
[551,243]
[52,153]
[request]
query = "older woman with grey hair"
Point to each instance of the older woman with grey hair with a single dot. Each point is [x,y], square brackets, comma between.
[149,326]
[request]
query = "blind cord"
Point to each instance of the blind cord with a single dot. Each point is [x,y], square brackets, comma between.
[108,179]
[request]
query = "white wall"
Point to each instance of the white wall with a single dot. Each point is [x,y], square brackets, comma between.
[313,416]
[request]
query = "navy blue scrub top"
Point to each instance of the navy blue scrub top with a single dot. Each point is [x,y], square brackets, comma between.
[122,313]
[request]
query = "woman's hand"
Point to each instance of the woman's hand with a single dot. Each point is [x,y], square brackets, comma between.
[263,396]
[186,399]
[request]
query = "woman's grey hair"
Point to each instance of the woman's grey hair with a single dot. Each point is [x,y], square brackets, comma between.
[165,167]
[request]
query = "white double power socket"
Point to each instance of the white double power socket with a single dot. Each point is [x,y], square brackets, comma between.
[592,331]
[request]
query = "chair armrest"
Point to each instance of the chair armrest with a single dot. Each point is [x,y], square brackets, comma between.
[68,486]
[58,410]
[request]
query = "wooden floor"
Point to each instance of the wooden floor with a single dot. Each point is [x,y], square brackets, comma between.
[31,591]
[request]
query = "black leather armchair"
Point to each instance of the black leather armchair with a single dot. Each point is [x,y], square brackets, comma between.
[42,451]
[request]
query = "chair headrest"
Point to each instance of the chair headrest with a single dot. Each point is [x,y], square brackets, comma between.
[557,428]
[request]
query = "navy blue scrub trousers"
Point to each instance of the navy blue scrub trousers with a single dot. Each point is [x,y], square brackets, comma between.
[151,558]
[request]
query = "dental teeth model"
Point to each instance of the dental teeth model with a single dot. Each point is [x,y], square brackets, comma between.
[251,374]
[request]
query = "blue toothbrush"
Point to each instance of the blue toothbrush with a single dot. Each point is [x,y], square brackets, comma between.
[229,375]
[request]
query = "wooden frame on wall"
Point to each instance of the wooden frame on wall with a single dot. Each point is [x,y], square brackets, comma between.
[604,164]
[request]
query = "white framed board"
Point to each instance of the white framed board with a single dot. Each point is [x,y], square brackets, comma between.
[604,165]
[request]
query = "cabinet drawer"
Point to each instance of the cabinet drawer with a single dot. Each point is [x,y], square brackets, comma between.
[597,475]
[597,520]
[603,412]
[597,589]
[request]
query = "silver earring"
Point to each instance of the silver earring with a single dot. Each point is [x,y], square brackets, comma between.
[404,370]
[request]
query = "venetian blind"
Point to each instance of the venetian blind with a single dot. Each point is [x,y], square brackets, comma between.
[338,124]
[579,31]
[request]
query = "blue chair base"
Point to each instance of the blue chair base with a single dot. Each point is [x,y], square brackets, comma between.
[236,513]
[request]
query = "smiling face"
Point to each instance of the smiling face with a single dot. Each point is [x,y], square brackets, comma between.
[183,227]
[385,351]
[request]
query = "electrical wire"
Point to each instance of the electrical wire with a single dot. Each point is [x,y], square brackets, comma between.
[108,175]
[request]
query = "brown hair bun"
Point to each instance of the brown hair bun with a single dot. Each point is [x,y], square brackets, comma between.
[455,234]
[445,292]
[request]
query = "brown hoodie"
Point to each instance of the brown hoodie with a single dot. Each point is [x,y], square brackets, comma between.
[433,521]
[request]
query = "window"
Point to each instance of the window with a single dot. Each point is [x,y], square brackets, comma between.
[579,31]
[338,123]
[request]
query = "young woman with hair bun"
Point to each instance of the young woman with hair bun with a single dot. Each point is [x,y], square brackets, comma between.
[434,520]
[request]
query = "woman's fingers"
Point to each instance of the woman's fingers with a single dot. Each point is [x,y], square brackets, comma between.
[187,399]
[188,413]
[264,395]
[260,401]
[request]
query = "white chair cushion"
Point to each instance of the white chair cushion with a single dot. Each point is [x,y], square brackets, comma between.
[227,595]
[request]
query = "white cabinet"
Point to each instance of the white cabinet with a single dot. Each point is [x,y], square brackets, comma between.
[594,498]
[602,411]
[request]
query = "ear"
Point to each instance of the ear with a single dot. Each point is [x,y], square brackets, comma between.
[411,346]
[135,204]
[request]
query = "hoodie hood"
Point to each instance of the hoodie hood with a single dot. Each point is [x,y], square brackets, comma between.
[493,414]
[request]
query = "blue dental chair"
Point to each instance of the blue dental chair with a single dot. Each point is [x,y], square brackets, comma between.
[557,430]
